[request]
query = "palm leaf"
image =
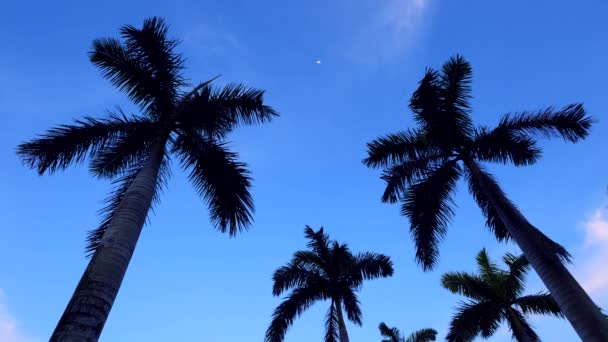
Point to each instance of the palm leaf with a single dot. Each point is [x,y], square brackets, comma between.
[466,284]
[422,335]
[472,319]
[428,205]
[293,306]
[569,123]
[391,334]
[331,325]
[372,266]
[318,242]
[220,180]
[397,148]
[352,306]
[292,276]
[505,146]
[518,267]
[520,328]
[455,81]
[64,145]
[542,304]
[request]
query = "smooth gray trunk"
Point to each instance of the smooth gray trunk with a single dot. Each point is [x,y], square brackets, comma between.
[574,302]
[341,323]
[89,307]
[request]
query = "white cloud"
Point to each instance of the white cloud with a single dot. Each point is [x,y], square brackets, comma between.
[9,327]
[594,255]
[391,29]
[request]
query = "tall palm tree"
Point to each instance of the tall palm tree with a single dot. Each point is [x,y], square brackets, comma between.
[134,150]
[327,271]
[394,335]
[422,166]
[495,296]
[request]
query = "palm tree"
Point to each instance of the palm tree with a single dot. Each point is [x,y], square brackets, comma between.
[327,271]
[495,296]
[394,335]
[422,166]
[134,151]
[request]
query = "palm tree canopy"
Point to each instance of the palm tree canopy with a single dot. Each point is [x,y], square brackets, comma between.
[328,270]
[190,124]
[394,335]
[495,295]
[422,165]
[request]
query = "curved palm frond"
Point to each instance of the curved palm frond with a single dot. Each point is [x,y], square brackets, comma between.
[293,275]
[428,205]
[318,242]
[488,270]
[505,146]
[390,334]
[472,319]
[370,265]
[422,335]
[331,325]
[155,52]
[466,284]
[124,71]
[221,180]
[493,222]
[569,123]
[352,306]
[542,304]
[520,327]
[294,305]
[425,102]
[67,144]
[455,80]
[412,171]
[396,148]
[518,267]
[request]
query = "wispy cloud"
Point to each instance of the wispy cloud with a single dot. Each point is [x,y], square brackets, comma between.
[9,327]
[215,41]
[393,28]
[594,254]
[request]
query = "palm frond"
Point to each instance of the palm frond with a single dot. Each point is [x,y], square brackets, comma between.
[501,145]
[154,51]
[331,325]
[493,222]
[518,267]
[122,184]
[569,123]
[352,306]
[520,328]
[472,319]
[292,276]
[67,144]
[217,112]
[425,102]
[488,270]
[318,241]
[370,265]
[422,335]
[455,80]
[391,334]
[124,71]
[129,148]
[541,304]
[397,148]
[412,171]
[466,284]
[221,180]
[293,306]
[428,205]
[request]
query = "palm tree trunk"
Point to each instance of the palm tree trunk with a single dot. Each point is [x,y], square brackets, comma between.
[341,324]
[90,305]
[518,329]
[575,303]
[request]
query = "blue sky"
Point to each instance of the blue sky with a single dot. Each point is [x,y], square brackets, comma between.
[188,282]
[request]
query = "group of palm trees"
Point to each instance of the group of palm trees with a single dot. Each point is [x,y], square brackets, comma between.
[421,167]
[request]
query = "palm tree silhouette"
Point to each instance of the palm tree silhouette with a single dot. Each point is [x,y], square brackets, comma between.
[422,165]
[394,335]
[134,150]
[327,271]
[495,296]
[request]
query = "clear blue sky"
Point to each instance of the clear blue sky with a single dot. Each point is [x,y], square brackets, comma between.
[187,282]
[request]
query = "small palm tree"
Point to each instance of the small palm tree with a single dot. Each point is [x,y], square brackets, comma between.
[394,335]
[422,166]
[328,271]
[495,296]
[134,150]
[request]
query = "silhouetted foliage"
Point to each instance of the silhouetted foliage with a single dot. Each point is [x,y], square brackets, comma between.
[495,296]
[394,335]
[326,271]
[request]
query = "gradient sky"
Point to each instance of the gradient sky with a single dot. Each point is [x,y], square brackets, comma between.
[187,282]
